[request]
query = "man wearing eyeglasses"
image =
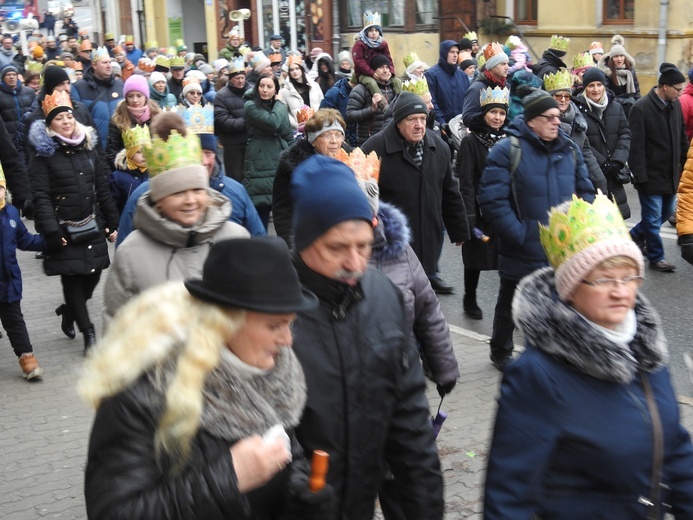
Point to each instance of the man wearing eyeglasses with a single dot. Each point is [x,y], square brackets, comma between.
[537,168]
[657,155]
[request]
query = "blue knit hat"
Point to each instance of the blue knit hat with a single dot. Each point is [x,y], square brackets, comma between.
[325,193]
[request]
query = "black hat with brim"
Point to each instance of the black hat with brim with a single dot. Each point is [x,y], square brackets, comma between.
[254,274]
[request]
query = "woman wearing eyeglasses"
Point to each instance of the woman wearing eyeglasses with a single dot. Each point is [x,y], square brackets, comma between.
[587,423]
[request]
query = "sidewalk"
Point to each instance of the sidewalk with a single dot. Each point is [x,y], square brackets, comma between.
[44,427]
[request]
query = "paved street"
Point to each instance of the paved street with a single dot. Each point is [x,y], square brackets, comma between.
[44,428]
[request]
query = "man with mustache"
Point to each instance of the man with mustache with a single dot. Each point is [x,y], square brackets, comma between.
[366,405]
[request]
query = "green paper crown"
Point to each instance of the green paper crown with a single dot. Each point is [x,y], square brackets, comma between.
[410,58]
[496,96]
[559,43]
[418,87]
[562,80]
[582,60]
[582,226]
[176,152]
[137,136]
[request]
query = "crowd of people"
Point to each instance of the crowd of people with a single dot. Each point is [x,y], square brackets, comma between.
[229,357]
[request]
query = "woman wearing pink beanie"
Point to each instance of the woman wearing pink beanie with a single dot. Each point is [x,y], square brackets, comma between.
[136,109]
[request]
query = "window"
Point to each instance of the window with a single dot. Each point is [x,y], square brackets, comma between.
[619,11]
[526,12]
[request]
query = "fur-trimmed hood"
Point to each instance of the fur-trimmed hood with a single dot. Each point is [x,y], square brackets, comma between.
[46,146]
[392,233]
[552,326]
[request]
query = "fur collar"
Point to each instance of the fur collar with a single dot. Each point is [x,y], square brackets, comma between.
[393,233]
[46,146]
[553,327]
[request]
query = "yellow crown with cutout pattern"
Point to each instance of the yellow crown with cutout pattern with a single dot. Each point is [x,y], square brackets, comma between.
[57,99]
[99,54]
[559,43]
[418,87]
[364,166]
[582,226]
[562,80]
[472,37]
[582,60]
[176,152]
[410,58]
[371,18]
[494,96]
[137,136]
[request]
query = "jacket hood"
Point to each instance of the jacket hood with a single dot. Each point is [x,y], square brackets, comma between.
[552,326]
[46,146]
[150,222]
[393,233]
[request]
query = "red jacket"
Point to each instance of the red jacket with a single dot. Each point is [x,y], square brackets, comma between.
[363,54]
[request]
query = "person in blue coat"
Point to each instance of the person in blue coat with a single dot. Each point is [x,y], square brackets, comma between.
[13,236]
[588,424]
[447,83]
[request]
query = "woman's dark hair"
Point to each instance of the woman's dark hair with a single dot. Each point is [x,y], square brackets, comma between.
[256,92]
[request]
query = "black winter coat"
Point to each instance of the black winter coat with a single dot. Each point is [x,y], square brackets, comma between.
[14,103]
[609,137]
[366,405]
[429,196]
[658,146]
[360,111]
[70,183]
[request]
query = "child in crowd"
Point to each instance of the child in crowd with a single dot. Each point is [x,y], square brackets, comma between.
[14,234]
[131,165]
[370,43]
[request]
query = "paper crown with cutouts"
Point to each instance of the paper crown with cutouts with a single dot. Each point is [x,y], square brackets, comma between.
[58,98]
[371,18]
[151,45]
[236,66]
[275,57]
[472,37]
[162,62]
[418,87]
[137,136]
[177,61]
[34,66]
[176,152]
[582,60]
[99,54]
[198,119]
[364,166]
[410,58]
[582,226]
[304,114]
[561,80]
[145,65]
[494,96]
[559,43]
[293,59]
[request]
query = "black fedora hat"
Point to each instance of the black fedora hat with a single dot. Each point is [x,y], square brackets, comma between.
[254,274]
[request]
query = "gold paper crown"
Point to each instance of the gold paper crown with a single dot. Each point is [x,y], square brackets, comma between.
[418,87]
[137,136]
[162,61]
[236,66]
[582,60]
[34,66]
[495,96]
[364,166]
[178,61]
[371,18]
[199,119]
[562,80]
[99,53]
[293,59]
[304,114]
[410,58]
[152,44]
[582,226]
[559,43]
[145,64]
[275,57]
[471,36]
[491,50]
[57,99]
[176,152]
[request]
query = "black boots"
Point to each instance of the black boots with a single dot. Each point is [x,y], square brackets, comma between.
[470,307]
[68,324]
[89,338]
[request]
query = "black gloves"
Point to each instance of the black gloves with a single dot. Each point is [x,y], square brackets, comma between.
[686,243]
[52,242]
[303,504]
[445,389]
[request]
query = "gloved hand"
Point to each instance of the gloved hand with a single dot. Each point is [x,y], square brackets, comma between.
[52,242]
[686,243]
[303,504]
[28,209]
[445,389]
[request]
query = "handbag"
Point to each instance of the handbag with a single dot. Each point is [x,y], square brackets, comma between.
[83,231]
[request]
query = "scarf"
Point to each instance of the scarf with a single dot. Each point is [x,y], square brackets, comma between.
[596,107]
[493,80]
[625,77]
[373,44]
[141,114]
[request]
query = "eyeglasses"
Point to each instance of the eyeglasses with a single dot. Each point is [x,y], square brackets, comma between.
[551,119]
[561,96]
[612,283]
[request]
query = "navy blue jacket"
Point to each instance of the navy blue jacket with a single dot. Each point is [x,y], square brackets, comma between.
[546,176]
[13,235]
[448,85]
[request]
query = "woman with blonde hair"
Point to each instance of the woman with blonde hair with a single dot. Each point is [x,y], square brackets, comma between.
[197,393]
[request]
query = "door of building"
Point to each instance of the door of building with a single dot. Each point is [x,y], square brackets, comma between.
[453,14]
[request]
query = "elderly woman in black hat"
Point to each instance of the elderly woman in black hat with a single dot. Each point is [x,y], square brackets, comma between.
[197,392]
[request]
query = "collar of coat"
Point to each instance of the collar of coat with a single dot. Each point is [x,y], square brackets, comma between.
[555,328]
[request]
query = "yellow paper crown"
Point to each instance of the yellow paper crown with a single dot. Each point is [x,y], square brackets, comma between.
[176,152]
[57,99]
[364,166]
[471,36]
[582,60]
[559,43]
[582,226]
[410,58]
[137,136]
[371,18]
[418,87]
[494,96]
[562,80]
[99,53]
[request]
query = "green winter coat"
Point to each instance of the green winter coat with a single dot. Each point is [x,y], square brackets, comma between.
[269,134]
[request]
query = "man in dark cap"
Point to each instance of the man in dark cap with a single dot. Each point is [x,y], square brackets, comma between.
[537,168]
[366,405]
[416,176]
[657,154]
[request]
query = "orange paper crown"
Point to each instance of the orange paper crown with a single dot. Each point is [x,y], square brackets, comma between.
[57,99]
[365,167]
